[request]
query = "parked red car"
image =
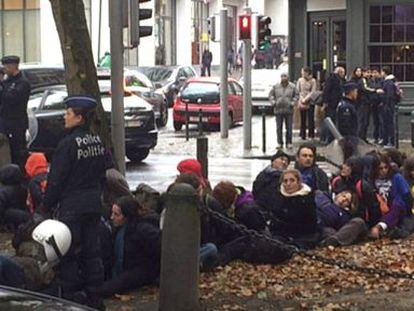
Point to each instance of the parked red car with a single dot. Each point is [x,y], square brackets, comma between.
[204,93]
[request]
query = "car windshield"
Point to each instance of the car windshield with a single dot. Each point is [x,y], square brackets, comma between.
[157,74]
[200,90]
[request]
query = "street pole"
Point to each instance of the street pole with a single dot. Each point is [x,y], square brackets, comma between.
[224,113]
[117,77]
[247,92]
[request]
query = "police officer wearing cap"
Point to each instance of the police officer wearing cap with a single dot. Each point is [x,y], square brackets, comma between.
[346,114]
[73,194]
[13,108]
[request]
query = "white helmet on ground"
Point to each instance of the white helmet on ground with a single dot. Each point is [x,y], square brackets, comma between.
[55,237]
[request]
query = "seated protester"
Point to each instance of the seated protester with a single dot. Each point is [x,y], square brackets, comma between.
[208,250]
[396,158]
[266,183]
[311,174]
[13,196]
[408,172]
[193,166]
[350,173]
[32,267]
[239,204]
[36,170]
[293,214]
[393,195]
[137,248]
[338,218]
[115,186]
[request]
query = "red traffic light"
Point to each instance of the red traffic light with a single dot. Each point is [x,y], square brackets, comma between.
[245,27]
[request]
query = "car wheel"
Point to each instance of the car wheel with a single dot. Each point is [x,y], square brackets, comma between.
[137,155]
[163,119]
[178,126]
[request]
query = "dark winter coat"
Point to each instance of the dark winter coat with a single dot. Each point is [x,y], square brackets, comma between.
[329,214]
[142,256]
[265,187]
[77,174]
[294,216]
[332,92]
[207,58]
[247,212]
[390,92]
[346,118]
[12,193]
[14,98]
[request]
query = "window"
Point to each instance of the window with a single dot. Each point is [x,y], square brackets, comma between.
[20,34]
[391,39]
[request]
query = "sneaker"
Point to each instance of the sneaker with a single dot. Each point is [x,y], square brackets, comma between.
[389,145]
[330,241]
[380,142]
[279,146]
[289,146]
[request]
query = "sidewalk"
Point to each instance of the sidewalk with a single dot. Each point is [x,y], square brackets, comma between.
[171,142]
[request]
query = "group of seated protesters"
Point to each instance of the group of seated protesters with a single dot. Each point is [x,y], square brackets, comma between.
[297,206]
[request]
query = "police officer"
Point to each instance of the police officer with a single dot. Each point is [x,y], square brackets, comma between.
[13,108]
[346,112]
[74,189]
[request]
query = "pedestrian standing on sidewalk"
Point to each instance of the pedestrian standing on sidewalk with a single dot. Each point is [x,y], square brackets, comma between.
[332,94]
[13,109]
[306,86]
[376,104]
[390,99]
[283,97]
[74,189]
[206,60]
[230,61]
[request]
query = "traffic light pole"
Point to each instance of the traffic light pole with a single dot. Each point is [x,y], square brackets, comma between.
[224,114]
[247,92]
[117,76]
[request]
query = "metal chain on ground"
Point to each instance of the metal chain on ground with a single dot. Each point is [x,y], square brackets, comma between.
[307,254]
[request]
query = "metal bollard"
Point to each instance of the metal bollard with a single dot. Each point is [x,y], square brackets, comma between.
[412,128]
[180,251]
[264,129]
[5,157]
[396,127]
[202,154]
[187,131]
[200,122]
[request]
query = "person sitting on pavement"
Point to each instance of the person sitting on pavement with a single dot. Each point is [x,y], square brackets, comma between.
[283,97]
[36,255]
[36,171]
[311,174]
[350,173]
[13,210]
[238,203]
[266,183]
[137,248]
[393,194]
[194,166]
[339,218]
[293,213]
[115,186]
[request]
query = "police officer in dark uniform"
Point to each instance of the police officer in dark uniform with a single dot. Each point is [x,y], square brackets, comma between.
[73,193]
[13,109]
[346,112]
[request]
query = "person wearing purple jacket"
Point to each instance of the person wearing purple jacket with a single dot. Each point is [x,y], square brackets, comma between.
[338,218]
[393,191]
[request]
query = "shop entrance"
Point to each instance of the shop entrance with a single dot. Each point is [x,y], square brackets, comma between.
[327,42]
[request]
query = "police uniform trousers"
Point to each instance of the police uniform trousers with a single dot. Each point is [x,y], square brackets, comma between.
[82,267]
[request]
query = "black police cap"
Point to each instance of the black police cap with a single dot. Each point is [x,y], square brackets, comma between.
[80,101]
[350,86]
[10,59]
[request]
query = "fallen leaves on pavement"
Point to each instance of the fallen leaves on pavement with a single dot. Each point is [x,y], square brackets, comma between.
[304,279]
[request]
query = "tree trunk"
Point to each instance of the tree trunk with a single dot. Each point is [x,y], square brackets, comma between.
[80,70]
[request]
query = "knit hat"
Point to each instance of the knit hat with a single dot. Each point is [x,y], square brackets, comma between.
[194,167]
[279,154]
[36,164]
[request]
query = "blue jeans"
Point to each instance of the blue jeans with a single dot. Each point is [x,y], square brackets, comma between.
[208,255]
[287,119]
